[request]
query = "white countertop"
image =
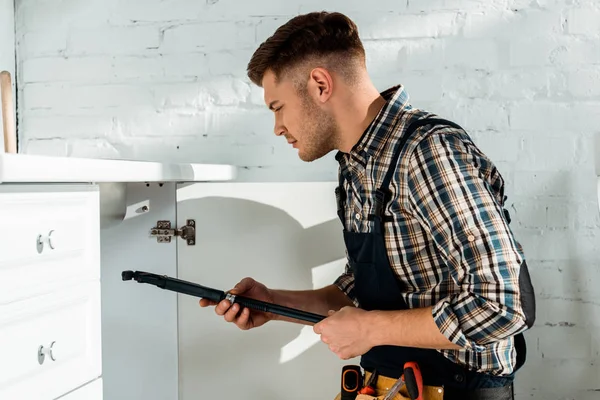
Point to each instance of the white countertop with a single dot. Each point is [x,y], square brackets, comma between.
[25,168]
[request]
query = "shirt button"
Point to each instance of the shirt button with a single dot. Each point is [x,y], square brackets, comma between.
[358,216]
[470,238]
[459,378]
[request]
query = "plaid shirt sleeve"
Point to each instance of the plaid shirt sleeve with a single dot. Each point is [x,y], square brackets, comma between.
[345,282]
[451,194]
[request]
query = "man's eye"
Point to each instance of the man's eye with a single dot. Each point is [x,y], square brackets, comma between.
[277,109]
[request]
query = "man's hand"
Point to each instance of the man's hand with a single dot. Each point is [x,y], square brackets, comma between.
[346,332]
[246,319]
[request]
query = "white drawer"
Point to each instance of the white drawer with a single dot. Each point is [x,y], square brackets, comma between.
[67,322]
[91,391]
[49,238]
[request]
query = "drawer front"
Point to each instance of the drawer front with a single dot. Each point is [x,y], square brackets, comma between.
[47,240]
[91,391]
[50,344]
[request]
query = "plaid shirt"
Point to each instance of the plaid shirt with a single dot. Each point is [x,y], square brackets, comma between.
[447,238]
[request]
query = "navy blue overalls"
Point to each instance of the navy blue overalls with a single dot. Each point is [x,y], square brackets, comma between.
[378,288]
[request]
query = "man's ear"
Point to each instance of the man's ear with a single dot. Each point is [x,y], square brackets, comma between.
[320,84]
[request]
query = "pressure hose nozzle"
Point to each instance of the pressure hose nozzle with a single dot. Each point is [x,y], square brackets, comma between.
[127,275]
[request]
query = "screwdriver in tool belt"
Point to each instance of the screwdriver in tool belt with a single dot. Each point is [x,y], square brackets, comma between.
[368,388]
[414,382]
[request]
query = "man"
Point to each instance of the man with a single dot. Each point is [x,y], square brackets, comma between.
[434,274]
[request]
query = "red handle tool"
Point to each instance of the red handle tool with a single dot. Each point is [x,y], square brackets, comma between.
[413,380]
[369,387]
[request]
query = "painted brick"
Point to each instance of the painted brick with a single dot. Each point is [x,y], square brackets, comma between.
[353,8]
[64,98]
[141,11]
[95,147]
[472,54]
[137,68]
[229,62]
[417,55]
[584,83]
[530,215]
[76,69]
[422,87]
[189,38]
[584,21]
[179,96]
[480,115]
[408,26]
[156,124]
[43,43]
[232,9]
[267,27]
[39,15]
[52,147]
[559,215]
[68,127]
[551,345]
[585,215]
[552,116]
[546,51]
[503,23]
[540,376]
[386,57]
[448,5]
[113,40]
[549,153]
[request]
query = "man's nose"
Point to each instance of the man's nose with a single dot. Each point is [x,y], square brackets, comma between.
[279,130]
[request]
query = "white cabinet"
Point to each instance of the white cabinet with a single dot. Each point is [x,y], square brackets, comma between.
[49,290]
[70,328]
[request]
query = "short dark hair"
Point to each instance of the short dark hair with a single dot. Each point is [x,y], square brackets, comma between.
[329,37]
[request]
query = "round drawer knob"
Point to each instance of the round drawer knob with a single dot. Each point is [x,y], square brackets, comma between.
[53,239]
[39,244]
[46,351]
[52,352]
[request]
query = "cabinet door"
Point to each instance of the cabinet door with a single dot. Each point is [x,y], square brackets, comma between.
[50,344]
[285,235]
[49,238]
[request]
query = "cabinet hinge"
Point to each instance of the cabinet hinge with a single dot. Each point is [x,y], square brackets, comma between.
[163,232]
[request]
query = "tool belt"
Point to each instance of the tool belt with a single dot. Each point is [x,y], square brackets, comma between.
[384,383]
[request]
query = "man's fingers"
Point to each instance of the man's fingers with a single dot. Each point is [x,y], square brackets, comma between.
[242,321]
[206,303]
[222,307]
[231,314]
[242,286]
[318,328]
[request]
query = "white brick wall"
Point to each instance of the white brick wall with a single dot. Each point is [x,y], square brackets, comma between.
[165,80]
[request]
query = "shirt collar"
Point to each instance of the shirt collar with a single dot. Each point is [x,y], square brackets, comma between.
[376,134]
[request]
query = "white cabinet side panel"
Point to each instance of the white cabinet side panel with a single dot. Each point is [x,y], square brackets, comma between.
[139,321]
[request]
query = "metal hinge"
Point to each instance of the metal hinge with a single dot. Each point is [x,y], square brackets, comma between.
[163,232]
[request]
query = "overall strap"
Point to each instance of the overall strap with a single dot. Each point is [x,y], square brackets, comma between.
[380,194]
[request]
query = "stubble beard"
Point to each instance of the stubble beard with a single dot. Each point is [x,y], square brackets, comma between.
[320,132]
